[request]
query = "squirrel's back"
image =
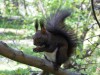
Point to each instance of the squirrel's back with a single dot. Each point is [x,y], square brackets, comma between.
[55,25]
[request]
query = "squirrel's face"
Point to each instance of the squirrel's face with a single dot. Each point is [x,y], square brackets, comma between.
[40,40]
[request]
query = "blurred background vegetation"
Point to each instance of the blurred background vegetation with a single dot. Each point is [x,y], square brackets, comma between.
[17,27]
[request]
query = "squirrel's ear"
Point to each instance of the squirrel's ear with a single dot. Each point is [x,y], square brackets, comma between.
[43,30]
[36,25]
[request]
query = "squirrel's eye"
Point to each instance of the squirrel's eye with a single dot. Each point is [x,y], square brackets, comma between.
[37,40]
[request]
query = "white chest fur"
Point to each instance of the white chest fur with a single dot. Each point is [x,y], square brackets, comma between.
[51,56]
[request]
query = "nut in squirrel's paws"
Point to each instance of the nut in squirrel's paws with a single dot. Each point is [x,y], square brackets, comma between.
[35,50]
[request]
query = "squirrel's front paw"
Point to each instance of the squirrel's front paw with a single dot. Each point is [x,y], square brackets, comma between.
[35,50]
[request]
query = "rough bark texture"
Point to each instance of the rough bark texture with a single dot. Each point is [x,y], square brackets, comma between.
[21,57]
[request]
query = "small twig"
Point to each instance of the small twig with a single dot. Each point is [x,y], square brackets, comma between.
[42,8]
[92,37]
[94,13]
[89,51]
[91,26]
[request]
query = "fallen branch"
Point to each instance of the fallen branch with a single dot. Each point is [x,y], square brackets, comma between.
[21,57]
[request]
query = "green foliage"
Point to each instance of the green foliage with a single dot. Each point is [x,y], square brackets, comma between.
[81,21]
[19,71]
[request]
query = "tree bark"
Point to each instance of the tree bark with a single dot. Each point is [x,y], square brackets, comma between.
[21,57]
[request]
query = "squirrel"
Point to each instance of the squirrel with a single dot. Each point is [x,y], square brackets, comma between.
[54,39]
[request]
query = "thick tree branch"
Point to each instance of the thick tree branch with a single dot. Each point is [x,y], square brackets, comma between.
[21,57]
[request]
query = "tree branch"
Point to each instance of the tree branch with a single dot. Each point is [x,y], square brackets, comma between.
[21,57]
[40,5]
[94,13]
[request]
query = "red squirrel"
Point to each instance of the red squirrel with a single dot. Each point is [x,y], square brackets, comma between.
[54,39]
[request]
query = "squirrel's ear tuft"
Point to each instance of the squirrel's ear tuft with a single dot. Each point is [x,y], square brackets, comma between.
[43,30]
[36,25]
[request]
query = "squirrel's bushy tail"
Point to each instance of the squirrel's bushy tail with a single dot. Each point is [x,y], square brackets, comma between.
[56,25]
[58,18]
